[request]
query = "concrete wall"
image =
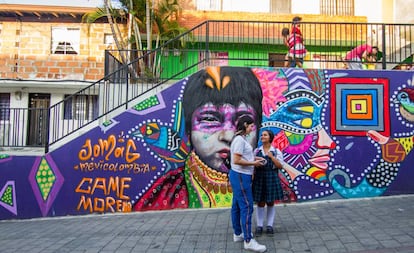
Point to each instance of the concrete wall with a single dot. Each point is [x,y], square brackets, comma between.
[344,134]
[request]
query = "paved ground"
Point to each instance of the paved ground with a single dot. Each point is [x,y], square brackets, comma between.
[384,224]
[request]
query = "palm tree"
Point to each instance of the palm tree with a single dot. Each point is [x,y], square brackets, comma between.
[160,18]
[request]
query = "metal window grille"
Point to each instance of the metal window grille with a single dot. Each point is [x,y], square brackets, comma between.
[337,7]
[81,107]
[4,106]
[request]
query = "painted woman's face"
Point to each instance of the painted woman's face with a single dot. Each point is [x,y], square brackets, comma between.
[300,119]
[213,128]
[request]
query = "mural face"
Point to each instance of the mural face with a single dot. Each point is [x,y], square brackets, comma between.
[213,128]
[213,101]
[343,134]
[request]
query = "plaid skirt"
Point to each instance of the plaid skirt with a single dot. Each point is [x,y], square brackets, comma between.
[266,184]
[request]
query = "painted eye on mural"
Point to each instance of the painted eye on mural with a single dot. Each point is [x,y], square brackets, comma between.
[300,115]
[150,129]
[209,119]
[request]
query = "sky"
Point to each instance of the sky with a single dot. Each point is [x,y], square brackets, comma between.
[80,3]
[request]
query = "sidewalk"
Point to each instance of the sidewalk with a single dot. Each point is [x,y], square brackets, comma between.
[383,225]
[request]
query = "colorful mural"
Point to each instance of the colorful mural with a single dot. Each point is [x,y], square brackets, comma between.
[343,134]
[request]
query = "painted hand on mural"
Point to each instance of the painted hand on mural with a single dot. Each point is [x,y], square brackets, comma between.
[394,150]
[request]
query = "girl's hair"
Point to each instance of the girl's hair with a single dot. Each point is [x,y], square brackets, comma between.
[271,135]
[242,124]
[285,31]
[296,20]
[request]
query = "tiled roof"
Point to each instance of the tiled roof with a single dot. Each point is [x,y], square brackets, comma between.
[42,13]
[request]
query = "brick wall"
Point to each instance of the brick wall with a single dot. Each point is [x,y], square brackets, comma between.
[25,52]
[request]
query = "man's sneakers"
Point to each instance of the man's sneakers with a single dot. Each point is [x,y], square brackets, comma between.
[238,238]
[253,245]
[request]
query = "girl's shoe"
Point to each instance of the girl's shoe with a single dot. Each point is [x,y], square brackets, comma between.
[269,230]
[259,231]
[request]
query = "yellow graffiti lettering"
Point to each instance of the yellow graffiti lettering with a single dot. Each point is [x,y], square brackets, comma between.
[115,185]
[100,183]
[86,203]
[101,205]
[130,156]
[119,152]
[109,147]
[86,152]
[84,180]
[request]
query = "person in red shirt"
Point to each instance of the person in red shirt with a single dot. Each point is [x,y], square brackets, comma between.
[297,50]
[360,54]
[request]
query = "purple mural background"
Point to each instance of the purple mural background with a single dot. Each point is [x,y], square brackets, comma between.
[111,167]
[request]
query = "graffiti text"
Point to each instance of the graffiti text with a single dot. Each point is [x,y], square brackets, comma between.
[107,148]
[134,168]
[114,186]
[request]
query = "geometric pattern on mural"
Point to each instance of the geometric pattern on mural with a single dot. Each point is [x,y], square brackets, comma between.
[357,108]
[8,197]
[5,158]
[148,105]
[362,190]
[46,181]
[359,105]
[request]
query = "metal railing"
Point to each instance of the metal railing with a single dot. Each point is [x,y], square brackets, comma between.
[259,43]
[234,43]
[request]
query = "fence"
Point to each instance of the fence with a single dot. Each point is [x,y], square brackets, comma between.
[249,43]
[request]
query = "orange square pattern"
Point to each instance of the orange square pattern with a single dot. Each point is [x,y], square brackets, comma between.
[365,101]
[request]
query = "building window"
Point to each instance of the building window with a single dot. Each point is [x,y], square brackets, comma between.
[65,40]
[280,6]
[209,5]
[4,106]
[234,5]
[108,39]
[337,7]
[81,107]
